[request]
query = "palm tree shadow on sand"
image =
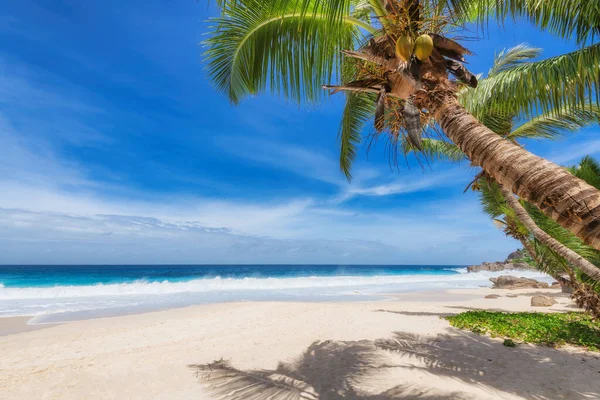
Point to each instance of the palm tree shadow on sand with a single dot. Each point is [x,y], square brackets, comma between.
[337,370]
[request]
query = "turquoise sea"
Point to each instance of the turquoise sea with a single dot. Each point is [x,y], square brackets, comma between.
[53,293]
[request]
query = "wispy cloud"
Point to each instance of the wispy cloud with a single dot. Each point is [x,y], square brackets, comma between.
[311,164]
[27,88]
[301,161]
[572,153]
[52,212]
[62,238]
[54,209]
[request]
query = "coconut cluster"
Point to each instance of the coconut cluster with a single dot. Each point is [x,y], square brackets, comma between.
[421,48]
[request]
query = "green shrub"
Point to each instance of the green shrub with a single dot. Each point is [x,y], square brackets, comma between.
[549,329]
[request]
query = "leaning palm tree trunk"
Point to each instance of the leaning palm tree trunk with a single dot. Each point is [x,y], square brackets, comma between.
[540,263]
[570,201]
[293,47]
[583,295]
[569,255]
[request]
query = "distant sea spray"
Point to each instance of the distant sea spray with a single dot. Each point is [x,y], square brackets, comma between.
[61,293]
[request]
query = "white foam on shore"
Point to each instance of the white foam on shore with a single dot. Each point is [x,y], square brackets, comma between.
[40,301]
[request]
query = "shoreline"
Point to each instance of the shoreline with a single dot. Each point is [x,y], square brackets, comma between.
[61,304]
[149,355]
[19,324]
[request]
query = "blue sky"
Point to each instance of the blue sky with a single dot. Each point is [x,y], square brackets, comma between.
[116,148]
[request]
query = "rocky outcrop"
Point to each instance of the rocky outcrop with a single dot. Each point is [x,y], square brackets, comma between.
[499,266]
[512,262]
[542,301]
[516,255]
[513,282]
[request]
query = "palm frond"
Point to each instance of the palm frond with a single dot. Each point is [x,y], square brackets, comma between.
[568,19]
[530,88]
[557,123]
[289,47]
[588,169]
[365,9]
[359,109]
[512,57]
[491,198]
[435,149]
[499,122]
[561,234]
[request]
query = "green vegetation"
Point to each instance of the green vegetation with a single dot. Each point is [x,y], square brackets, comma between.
[292,48]
[549,329]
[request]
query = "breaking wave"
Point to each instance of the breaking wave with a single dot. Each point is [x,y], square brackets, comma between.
[72,302]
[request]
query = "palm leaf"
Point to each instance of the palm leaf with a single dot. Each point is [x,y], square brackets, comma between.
[561,234]
[289,47]
[435,149]
[557,123]
[512,57]
[491,198]
[588,169]
[566,18]
[541,86]
[360,108]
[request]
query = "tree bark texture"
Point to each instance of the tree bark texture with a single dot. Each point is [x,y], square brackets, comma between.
[568,200]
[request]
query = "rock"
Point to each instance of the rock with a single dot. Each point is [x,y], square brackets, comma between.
[499,266]
[492,296]
[516,255]
[513,282]
[566,289]
[555,285]
[512,296]
[511,263]
[542,301]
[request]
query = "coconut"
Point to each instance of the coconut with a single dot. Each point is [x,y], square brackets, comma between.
[404,47]
[423,47]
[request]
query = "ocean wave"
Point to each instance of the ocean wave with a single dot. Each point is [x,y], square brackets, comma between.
[461,270]
[218,284]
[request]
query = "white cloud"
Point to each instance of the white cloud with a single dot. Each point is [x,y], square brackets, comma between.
[51,211]
[62,238]
[26,88]
[311,237]
[296,159]
[309,163]
[572,153]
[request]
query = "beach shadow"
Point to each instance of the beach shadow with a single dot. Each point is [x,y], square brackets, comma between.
[327,370]
[484,362]
[555,294]
[417,313]
[337,370]
[462,308]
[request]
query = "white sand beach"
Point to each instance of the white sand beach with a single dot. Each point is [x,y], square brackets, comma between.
[400,348]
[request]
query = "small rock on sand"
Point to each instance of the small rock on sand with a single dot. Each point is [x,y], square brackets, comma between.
[492,296]
[513,282]
[542,301]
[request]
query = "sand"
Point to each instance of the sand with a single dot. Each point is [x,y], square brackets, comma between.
[396,349]
[9,326]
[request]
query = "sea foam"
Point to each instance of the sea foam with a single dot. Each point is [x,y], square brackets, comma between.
[64,302]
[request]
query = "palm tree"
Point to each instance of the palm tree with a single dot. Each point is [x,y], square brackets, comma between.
[291,47]
[551,246]
[507,121]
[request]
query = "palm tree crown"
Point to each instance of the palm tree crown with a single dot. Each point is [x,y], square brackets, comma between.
[399,52]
